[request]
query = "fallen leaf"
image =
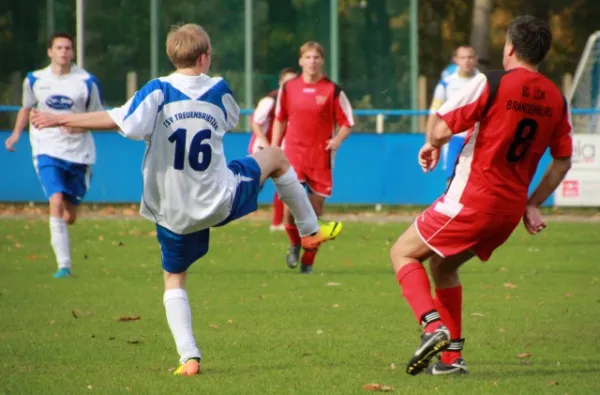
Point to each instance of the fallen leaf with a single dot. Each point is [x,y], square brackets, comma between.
[553,382]
[32,257]
[213,326]
[230,321]
[127,389]
[507,297]
[100,238]
[134,341]
[52,322]
[74,314]
[335,306]
[332,284]
[137,318]
[89,387]
[392,366]
[501,330]
[18,245]
[488,286]
[319,331]
[377,387]
[478,314]
[524,355]
[568,295]
[509,285]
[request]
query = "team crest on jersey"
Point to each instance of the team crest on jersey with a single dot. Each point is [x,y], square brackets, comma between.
[321,99]
[59,102]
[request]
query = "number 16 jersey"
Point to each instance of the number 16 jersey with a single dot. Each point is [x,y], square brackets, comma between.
[187,185]
[512,117]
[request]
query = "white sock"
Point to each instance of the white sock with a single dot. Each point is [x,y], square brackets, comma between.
[179,317]
[294,196]
[59,238]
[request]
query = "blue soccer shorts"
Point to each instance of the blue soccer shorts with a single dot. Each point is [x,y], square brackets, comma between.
[179,252]
[61,176]
[451,154]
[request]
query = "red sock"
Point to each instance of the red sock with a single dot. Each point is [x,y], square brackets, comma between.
[277,210]
[448,302]
[293,234]
[308,258]
[417,292]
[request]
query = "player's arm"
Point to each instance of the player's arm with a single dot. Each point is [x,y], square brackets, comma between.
[281,117]
[461,112]
[344,120]
[561,149]
[76,123]
[28,101]
[260,118]
[439,97]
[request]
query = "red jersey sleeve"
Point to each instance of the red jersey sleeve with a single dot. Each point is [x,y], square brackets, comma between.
[281,111]
[561,145]
[465,109]
[343,110]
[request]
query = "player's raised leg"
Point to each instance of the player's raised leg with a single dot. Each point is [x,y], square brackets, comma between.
[448,302]
[277,219]
[308,257]
[273,164]
[407,256]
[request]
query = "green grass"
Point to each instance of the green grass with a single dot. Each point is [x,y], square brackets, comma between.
[265,329]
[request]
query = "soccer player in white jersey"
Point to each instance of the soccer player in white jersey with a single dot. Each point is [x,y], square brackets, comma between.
[465,59]
[62,161]
[187,185]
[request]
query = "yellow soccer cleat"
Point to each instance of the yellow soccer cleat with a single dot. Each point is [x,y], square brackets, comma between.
[191,367]
[328,230]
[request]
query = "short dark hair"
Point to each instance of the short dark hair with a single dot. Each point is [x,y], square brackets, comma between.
[287,70]
[531,38]
[56,35]
[467,46]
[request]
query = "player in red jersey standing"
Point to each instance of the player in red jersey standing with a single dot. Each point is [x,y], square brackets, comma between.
[262,125]
[512,116]
[308,110]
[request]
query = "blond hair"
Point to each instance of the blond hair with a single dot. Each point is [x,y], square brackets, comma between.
[309,45]
[186,43]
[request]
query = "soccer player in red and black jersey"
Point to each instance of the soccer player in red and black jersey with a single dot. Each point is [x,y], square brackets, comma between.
[512,116]
[262,125]
[309,108]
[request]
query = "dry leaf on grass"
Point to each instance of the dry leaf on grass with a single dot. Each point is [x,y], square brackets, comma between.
[553,382]
[213,326]
[134,341]
[524,355]
[124,319]
[568,295]
[332,284]
[510,285]
[378,387]
[478,314]
[392,366]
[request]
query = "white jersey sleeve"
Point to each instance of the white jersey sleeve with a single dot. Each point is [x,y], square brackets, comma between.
[263,109]
[29,99]
[137,117]
[439,97]
[95,101]
[232,110]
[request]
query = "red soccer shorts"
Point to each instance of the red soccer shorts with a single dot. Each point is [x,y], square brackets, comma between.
[319,181]
[449,228]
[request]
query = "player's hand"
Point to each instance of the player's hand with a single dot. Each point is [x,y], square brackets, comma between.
[534,223]
[332,144]
[429,156]
[11,141]
[263,143]
[43,120]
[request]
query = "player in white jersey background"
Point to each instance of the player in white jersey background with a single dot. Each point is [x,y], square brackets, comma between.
[188,187]
[465,59]
[62,160]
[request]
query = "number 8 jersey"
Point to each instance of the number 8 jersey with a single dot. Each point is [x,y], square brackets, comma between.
[512,117]
[187,185]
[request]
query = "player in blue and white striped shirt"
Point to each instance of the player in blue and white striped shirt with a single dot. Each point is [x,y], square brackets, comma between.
[62,161]
[188,185]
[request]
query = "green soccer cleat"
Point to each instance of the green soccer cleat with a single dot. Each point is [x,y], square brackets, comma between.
[328,230]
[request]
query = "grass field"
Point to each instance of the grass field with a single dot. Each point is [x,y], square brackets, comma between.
[265,329]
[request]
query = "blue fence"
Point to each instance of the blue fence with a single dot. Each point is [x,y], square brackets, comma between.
[369,169]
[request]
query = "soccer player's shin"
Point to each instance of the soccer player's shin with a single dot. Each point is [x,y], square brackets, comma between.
[179,317]
[59,238]
[293,195]
[416,289]
[448,302]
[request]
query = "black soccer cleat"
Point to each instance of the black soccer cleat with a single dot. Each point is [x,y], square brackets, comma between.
[293,256]
[439,368]
[431,345]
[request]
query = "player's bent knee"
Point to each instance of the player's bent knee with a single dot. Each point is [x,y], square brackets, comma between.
[69,217]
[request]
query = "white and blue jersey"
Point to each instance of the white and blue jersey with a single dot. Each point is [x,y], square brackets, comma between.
[62,160]
[75,92]
[188,185]
[445,90]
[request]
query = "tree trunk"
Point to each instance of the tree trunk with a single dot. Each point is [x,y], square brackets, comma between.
[480,31]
